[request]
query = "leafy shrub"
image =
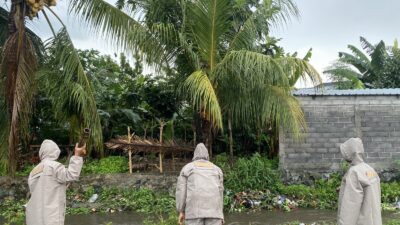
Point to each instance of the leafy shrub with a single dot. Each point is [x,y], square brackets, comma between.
[393,222]
[111,164]
[323,195]
[24,172]
[13,212]
[121,199]
[390,192]
[254,173]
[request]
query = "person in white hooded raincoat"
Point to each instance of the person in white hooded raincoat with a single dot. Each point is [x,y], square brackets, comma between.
[48,183]
[360,192]
[199,191]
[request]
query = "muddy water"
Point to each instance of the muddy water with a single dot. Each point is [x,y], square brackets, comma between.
[255,218]
[265,217]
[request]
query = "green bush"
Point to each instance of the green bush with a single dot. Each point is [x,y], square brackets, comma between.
[24,172]
[321,196]
[254,173]
[13,212]
[121,199]
[111,164]
[393,222]
[390,192]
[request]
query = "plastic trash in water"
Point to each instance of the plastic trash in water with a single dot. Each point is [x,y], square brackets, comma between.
[93,198]
[281,200]
[398,205]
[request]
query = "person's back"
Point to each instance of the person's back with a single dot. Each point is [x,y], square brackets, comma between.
[47,185]
[199,193]
[360,193]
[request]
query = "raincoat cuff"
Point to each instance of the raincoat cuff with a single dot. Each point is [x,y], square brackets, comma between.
[77,158]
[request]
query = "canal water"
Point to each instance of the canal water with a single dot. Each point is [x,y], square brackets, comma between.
[307,216]
[253,218]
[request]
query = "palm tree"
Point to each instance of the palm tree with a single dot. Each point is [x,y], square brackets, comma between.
[72,90]
[359,70]
[231,76]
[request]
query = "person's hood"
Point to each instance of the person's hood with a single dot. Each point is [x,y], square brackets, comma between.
[49,150]
[200,152]
[353,150]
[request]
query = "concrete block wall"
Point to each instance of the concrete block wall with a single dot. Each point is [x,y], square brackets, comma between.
[332,120]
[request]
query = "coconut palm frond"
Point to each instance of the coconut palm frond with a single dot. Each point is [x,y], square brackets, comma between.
[203,96]
[166,36]
[255,87]
[251,67]
[209,21]
[244,38]
[105,20]
[74,102]
[284,109]
[279,12]
[296,69]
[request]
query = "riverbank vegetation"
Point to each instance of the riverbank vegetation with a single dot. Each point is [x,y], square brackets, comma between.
[251,184]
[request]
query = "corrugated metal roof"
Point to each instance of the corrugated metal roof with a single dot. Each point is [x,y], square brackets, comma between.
[330,92]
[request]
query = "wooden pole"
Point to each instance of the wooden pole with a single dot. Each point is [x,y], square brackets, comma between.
[161,142]
[130,150]
[230,141]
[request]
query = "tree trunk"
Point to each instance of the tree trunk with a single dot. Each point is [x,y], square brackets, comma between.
[203,131]
[274,141]
[16,26]
[230,141]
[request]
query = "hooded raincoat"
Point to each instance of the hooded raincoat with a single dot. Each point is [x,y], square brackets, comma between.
[360,192]
[47,184]
[199,191]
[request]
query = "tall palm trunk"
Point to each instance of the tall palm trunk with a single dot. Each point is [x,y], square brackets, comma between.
[11,77]
[204,130]
[15,53]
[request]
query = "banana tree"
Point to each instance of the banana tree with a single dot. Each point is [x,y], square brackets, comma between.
[357,70]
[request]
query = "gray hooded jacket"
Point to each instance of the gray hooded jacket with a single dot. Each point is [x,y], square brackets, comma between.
[360,192]
[199,191]
[47,185]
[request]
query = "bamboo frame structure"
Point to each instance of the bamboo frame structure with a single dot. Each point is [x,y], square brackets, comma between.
[133,145]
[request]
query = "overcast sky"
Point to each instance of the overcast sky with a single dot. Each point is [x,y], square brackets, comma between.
[327,26]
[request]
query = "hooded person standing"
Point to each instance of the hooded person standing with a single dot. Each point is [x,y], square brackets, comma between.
[48,183]
[199,191]
[360,192]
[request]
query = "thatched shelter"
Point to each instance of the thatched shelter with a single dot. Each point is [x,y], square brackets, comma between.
[135,145]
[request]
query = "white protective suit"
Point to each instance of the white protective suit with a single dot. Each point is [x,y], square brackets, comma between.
[48,184]
[199,191]
[360,192]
